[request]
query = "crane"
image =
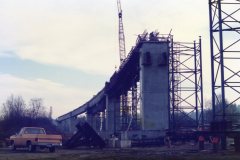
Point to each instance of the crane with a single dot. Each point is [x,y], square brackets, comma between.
[122,50]
[122,53]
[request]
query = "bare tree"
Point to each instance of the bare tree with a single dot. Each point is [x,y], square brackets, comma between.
[36,108]
[14,107]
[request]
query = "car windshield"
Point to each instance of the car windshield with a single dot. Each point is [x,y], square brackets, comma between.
[34,131]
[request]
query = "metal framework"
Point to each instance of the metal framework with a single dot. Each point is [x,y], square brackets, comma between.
[122,50]
[130,109]
[125,111]
[185,85]
[225,56]
[134,109]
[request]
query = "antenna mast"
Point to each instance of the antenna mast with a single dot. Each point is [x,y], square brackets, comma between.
[122,50]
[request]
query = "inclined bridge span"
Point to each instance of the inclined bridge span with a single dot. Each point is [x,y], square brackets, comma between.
[119,83]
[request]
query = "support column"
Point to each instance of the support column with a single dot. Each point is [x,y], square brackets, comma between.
[103,121]
[90,119]
[112,115]
[93,120]
[69,125]
[73,122]
[64,127]
[154,85]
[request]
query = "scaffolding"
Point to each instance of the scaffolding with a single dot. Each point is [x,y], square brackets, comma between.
[225,57]
[185,85]
[129,109]
[125,111]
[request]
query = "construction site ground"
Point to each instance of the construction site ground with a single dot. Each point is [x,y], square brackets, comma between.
[177,152]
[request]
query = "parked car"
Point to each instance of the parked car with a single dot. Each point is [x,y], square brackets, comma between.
[33,137]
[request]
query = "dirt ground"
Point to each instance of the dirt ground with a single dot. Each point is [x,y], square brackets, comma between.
[183,152]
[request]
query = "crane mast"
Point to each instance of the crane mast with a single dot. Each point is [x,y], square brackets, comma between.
[122,50]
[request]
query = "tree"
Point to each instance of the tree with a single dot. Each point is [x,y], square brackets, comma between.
[231,111]
[14,107]
[36,108]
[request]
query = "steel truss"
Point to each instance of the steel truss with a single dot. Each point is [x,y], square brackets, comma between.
[185,85]
[129,109]
[225,56]
[124,111]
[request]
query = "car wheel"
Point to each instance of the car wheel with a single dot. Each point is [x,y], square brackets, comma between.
[13,147]
[52,149]
[31,148]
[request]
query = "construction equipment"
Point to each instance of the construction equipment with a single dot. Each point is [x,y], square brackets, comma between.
[122,54]
[122,50]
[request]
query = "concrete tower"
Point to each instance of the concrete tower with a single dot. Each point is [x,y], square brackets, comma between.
[154,85]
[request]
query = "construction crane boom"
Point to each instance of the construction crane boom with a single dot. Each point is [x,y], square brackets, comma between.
[122,50]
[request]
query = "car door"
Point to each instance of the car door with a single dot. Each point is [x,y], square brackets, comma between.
[18,139]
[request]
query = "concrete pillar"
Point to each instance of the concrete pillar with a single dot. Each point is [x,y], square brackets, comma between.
[154,85]
[73,122]
[112,115]
[97,122]
[68,125]
[117,114]
[93,120]
[63,126]
[103,121]
[89,118]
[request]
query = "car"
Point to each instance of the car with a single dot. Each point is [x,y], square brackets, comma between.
[33,137]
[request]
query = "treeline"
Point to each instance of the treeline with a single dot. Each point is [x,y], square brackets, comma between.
[16,113]
[232,113]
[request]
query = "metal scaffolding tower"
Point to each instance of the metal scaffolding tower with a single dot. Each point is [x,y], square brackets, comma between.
[185,85]
[225,56]
[130,109]
[134,107]
[125,111]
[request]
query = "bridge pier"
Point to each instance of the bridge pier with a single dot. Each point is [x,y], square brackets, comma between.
[68,126]
[154,85]
[102,117]
[112,115]
[92,120]
[89,118]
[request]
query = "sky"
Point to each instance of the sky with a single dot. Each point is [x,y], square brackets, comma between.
[64,51]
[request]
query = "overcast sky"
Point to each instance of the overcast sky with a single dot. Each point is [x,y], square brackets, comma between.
[63,51]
